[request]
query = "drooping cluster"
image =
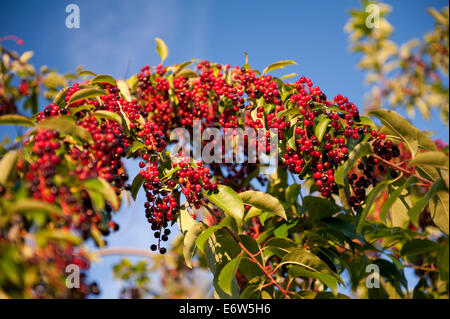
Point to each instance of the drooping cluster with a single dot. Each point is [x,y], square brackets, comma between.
[218,96]
[235,97]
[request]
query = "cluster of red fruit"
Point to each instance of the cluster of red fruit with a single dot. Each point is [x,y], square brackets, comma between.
[103,159]
[218,96]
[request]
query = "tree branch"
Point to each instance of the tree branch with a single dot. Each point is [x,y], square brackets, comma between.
[404,170]
[123,251]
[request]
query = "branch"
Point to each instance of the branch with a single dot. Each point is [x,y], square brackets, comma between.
[123,251]
[404,170]
[423,268]
[253,258]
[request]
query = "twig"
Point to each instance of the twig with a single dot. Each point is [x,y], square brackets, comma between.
[404,170]
[423,268]
[252,256]
[264,270]
[123,251]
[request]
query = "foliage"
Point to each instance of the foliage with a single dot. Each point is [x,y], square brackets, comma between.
[346,193]
[414,74]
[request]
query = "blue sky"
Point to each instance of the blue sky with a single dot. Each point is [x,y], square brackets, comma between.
[118,35]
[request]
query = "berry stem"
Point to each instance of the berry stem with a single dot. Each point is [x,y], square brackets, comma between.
[253,258]
[408,173]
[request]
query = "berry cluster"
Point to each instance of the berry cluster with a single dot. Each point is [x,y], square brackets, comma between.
[103,159]
[222,95]
[218,96]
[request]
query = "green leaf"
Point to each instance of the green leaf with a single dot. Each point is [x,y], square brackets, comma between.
[87,72]
[440,215]
[291,138]
[169,173]
[371,197]
[124,90]
[278,65]
[137,146]
[416,247]
[252,212]
[84,107]
[7,164]
[133,82]
[403,129]
[204,236]
[228,200]
[220,250]
[326,279]
[367,121]
[60,97]
[65,124]
[278,246]
[15,119]
[94,187]
[187,73]
[264,202]
[136,185]
[161,49]
[87,93]
[393,197]
[125,121]
[288,111]
[43,236]
[439,210]
[287,76]
[32,205]
[278,183]
[109,194]
[108,115]
[202,239]
[443,261]
[343,197]
[185,221]
[282,231]
[319,208]
[189,242]
[292,193]
[97,236]
[227,275]
[181,67]
[322,126]
[433,158]
[391,272]
[301,257]
[104,78]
